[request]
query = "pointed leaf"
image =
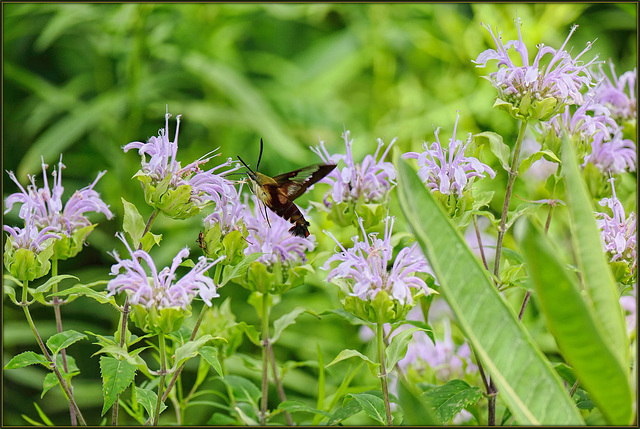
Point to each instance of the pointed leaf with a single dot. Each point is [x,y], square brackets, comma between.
[596,274]
[453,397]
[63,340]
[575,329]
[349,407]
[50,380]
[286,320]
[26,359]
[398,347]
[299,407]
[190,349]
[51,282]
[348,353]
[132,224]
[231,273]
[525,379]
[372,405]
[210,354]
[148,399]
[498,147]
[117,375]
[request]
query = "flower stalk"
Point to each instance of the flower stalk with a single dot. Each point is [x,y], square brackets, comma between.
[383,371]
[265,358]
[513,173]
[163,373]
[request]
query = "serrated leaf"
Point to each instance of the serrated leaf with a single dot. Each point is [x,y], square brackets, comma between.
[50,380]
[398,346]
[453,397]
[210,354]
[26,359]
[416,409]
[287,320]
[63,340]
[148,399]
[348,353]
[525,379]
[117,375]
[85,290]
[372,405]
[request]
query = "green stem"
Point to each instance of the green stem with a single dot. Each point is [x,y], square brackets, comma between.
[278,383]
[43,348]
[383,372]
[125,317]
[163,373]
[513,173]
[58,315]
[265,358]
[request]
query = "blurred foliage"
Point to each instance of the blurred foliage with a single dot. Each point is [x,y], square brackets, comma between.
[85,79]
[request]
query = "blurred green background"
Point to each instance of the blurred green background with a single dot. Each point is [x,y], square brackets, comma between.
[85,79]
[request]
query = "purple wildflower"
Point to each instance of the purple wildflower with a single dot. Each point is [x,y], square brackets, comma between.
[562,78]
[31,237]
[370,180]
[618,93]
[45,204]
[448,171]
[367,262]
[629,304]
[162,166]
[272,238]
[228,215]
[583,124]
[618,231]
[615,156]
[161,290]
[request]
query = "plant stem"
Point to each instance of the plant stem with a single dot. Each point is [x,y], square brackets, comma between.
[63,352]
[484,259]
[163,373]
[54,367]
[513,173]
[491,393]
[265,358]
[383,372]
[525,301]
[278,383]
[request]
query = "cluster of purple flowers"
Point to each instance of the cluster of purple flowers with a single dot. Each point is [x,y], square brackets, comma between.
[449,171]
[370,180]
[44,213]
[367,264]
[618,234]
[161,289]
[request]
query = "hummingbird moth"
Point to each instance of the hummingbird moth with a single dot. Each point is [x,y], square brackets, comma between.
[278,192]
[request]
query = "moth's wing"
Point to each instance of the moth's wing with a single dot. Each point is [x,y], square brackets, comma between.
[295,182]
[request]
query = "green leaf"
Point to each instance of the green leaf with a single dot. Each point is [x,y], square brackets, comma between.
[498,147]
[85,290]
[348,353]
[148,399]
[585,347]
[251,332]
[11,292]
[242,389]
[26,359]
[416,410]
[63,340]
[450,399]
[594,267]
[190,349]
[353,320]
[50,380]
[43,416]
[286,320]
[117,375]
[210,354]
[51,282]
[349,407]
[231,273]
[398,347]
[525,379]
[372,405]
[132,224]
[299,407]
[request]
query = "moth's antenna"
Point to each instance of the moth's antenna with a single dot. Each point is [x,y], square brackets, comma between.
[251,174]
[260,156]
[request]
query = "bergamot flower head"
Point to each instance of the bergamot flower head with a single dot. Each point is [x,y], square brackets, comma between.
[536,90]
[46,210]
[179,192]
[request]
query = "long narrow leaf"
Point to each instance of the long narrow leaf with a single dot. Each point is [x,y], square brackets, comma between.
[526,381]
[596,274]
